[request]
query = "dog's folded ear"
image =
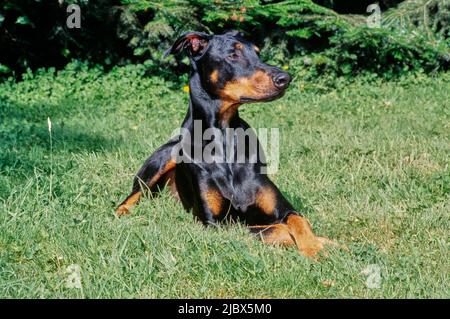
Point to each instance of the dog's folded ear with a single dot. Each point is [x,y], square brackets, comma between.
[194,42]
[234,33]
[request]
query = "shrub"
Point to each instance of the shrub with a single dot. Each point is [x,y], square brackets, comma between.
[414,35]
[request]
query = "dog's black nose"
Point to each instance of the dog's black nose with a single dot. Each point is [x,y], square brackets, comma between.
[281,80]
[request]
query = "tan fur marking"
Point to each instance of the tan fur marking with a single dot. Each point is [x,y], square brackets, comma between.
[307,243]
[266,200]
[277,234]
[296,232]
[214,201]
[257,86]
[227,111]
[239,46]
[256,48]
[169,166]
[170,182]
[124,209]
[214,76]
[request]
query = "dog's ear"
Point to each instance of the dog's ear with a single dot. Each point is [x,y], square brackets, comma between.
[234,33]
[194,42]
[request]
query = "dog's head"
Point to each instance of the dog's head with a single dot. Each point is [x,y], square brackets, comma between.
[230,67]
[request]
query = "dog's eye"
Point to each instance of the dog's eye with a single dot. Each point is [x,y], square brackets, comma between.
[233,56]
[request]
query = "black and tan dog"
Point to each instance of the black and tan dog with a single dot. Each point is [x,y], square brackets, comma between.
[226,72]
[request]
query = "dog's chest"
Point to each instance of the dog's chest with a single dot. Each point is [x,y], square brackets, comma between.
[236,183]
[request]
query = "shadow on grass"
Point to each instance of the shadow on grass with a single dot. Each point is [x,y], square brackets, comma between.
[25,138]
[297,202]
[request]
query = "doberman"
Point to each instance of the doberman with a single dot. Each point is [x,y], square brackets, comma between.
[226,72]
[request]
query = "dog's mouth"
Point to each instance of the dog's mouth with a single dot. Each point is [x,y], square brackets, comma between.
[267,98]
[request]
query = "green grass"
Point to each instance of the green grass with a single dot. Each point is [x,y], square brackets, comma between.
[368,164]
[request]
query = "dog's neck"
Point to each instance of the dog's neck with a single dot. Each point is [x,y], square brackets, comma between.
[211,110]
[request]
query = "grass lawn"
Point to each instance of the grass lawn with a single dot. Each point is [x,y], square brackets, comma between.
[368,164]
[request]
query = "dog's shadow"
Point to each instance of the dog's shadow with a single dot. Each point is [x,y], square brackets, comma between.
[298,204]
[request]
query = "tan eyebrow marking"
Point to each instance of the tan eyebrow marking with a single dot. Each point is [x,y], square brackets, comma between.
[214,76]
[256,48]
[239,46]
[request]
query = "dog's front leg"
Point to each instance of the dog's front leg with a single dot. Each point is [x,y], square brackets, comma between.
[286,226]
[157,170]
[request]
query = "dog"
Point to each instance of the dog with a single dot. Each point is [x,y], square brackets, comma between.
[226,72]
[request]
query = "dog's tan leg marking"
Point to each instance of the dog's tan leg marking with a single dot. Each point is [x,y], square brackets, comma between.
[131,200]
[295,232]
[307,243]
[277,234]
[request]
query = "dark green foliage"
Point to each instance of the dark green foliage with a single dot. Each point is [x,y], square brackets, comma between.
[355,7]
[413,37]
[33,34]
[380,52]
[329,42]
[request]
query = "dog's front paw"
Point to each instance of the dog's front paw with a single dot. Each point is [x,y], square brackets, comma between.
[307,243]
[305,240]
[122,210]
